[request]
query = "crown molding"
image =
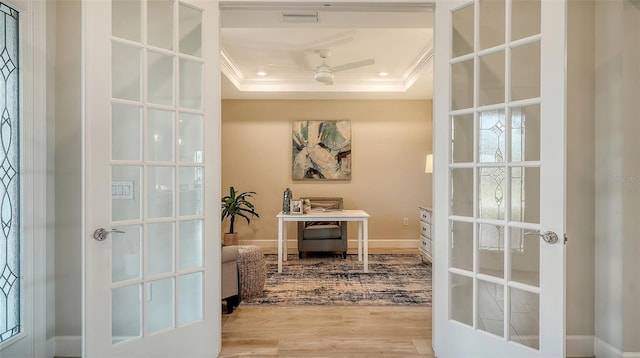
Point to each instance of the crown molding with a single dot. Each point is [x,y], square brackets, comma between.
[292,84]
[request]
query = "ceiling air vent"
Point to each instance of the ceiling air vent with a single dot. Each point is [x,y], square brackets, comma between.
[300,17]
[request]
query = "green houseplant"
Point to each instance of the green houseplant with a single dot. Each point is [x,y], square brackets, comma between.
[235,205]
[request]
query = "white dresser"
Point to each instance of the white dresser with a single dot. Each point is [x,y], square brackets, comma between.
[426,217]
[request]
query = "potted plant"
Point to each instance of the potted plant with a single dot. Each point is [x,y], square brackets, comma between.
[233,205]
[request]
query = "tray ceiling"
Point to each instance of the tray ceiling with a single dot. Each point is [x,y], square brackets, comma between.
[273,51]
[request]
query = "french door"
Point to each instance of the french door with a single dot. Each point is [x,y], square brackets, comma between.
[151,178]
[499,163]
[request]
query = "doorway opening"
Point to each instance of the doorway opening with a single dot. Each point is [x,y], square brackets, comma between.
[245,35]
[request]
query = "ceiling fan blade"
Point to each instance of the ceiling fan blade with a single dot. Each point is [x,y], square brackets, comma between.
[348,66]
[293,67]
[330,41]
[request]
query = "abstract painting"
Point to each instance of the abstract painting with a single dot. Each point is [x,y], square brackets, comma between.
[322,150]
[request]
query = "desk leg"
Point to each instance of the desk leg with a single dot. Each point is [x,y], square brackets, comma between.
[359,240]
[280,233]
[365,237]
[285,241]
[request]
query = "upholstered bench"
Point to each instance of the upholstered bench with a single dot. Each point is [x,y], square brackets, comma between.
[230,286]
[253,270]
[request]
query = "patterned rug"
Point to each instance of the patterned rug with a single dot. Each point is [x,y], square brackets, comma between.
[326,279]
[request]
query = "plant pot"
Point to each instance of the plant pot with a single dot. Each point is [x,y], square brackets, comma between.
[230,238]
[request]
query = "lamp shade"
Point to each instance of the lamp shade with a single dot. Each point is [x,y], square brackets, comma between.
[428,167]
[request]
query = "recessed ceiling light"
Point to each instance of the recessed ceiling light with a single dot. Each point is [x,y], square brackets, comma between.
[261,73]
[383,74]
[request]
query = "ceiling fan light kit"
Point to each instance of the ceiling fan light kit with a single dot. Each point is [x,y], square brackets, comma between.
[324,75]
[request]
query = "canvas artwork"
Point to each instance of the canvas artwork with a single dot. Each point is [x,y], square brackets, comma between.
[322,150]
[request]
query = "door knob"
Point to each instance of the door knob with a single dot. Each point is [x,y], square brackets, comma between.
[101,234]
[549,237]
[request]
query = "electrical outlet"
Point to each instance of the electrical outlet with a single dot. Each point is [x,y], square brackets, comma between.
[405,221]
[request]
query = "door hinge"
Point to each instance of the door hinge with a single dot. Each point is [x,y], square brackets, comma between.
[566,238]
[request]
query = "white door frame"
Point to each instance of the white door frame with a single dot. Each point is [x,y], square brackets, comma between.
[34,177]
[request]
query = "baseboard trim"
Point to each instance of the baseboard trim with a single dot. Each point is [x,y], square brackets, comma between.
[579,346]
[65,346]
[603,349]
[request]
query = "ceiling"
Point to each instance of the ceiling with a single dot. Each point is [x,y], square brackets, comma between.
[283,40]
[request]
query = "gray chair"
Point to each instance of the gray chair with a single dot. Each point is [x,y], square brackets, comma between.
[323,236]
[230,278]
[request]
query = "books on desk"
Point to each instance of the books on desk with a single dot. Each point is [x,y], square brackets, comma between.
[322,210]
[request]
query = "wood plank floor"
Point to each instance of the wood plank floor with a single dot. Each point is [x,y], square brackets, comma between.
[327,331]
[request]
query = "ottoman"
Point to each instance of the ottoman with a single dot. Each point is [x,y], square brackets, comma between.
[252,270]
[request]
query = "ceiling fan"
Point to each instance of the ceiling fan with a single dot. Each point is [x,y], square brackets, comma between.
[324,72]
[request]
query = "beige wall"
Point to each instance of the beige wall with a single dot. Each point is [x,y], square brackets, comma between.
[580,207]
[390,140]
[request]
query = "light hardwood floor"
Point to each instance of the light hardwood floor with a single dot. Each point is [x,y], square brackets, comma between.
[327,331]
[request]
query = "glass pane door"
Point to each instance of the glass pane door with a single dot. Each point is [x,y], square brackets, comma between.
[151,151]
[156,168]
[492,161]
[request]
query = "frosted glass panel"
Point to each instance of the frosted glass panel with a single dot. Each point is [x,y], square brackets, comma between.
[525,257]
[462,85]
[125,192]
[190,141]
[190,31]
[190,190]
[126,257]
[492,23]
[160,189]
[125,19]
[491,307]
[462,28]
[491,253]
[160,248]
[11,274]
[492,136]
[160,305]
[525,195]
[126,73]
[160,23]
[190,84]
[190,237]
[462,192]
[126,316]
[190,298]
[525,71]
[461,245]
[160,137]
[461,299]
[492,192]
[525,322]
[126,124]
[525,133]
[491,88]
[525,13]
[160,78]
[462,139]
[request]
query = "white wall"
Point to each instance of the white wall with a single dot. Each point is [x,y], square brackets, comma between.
[617,150]
[68,171]
[51,143]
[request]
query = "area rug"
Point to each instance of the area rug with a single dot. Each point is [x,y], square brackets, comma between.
[331,280]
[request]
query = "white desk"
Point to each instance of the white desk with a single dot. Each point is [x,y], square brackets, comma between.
[343,215]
